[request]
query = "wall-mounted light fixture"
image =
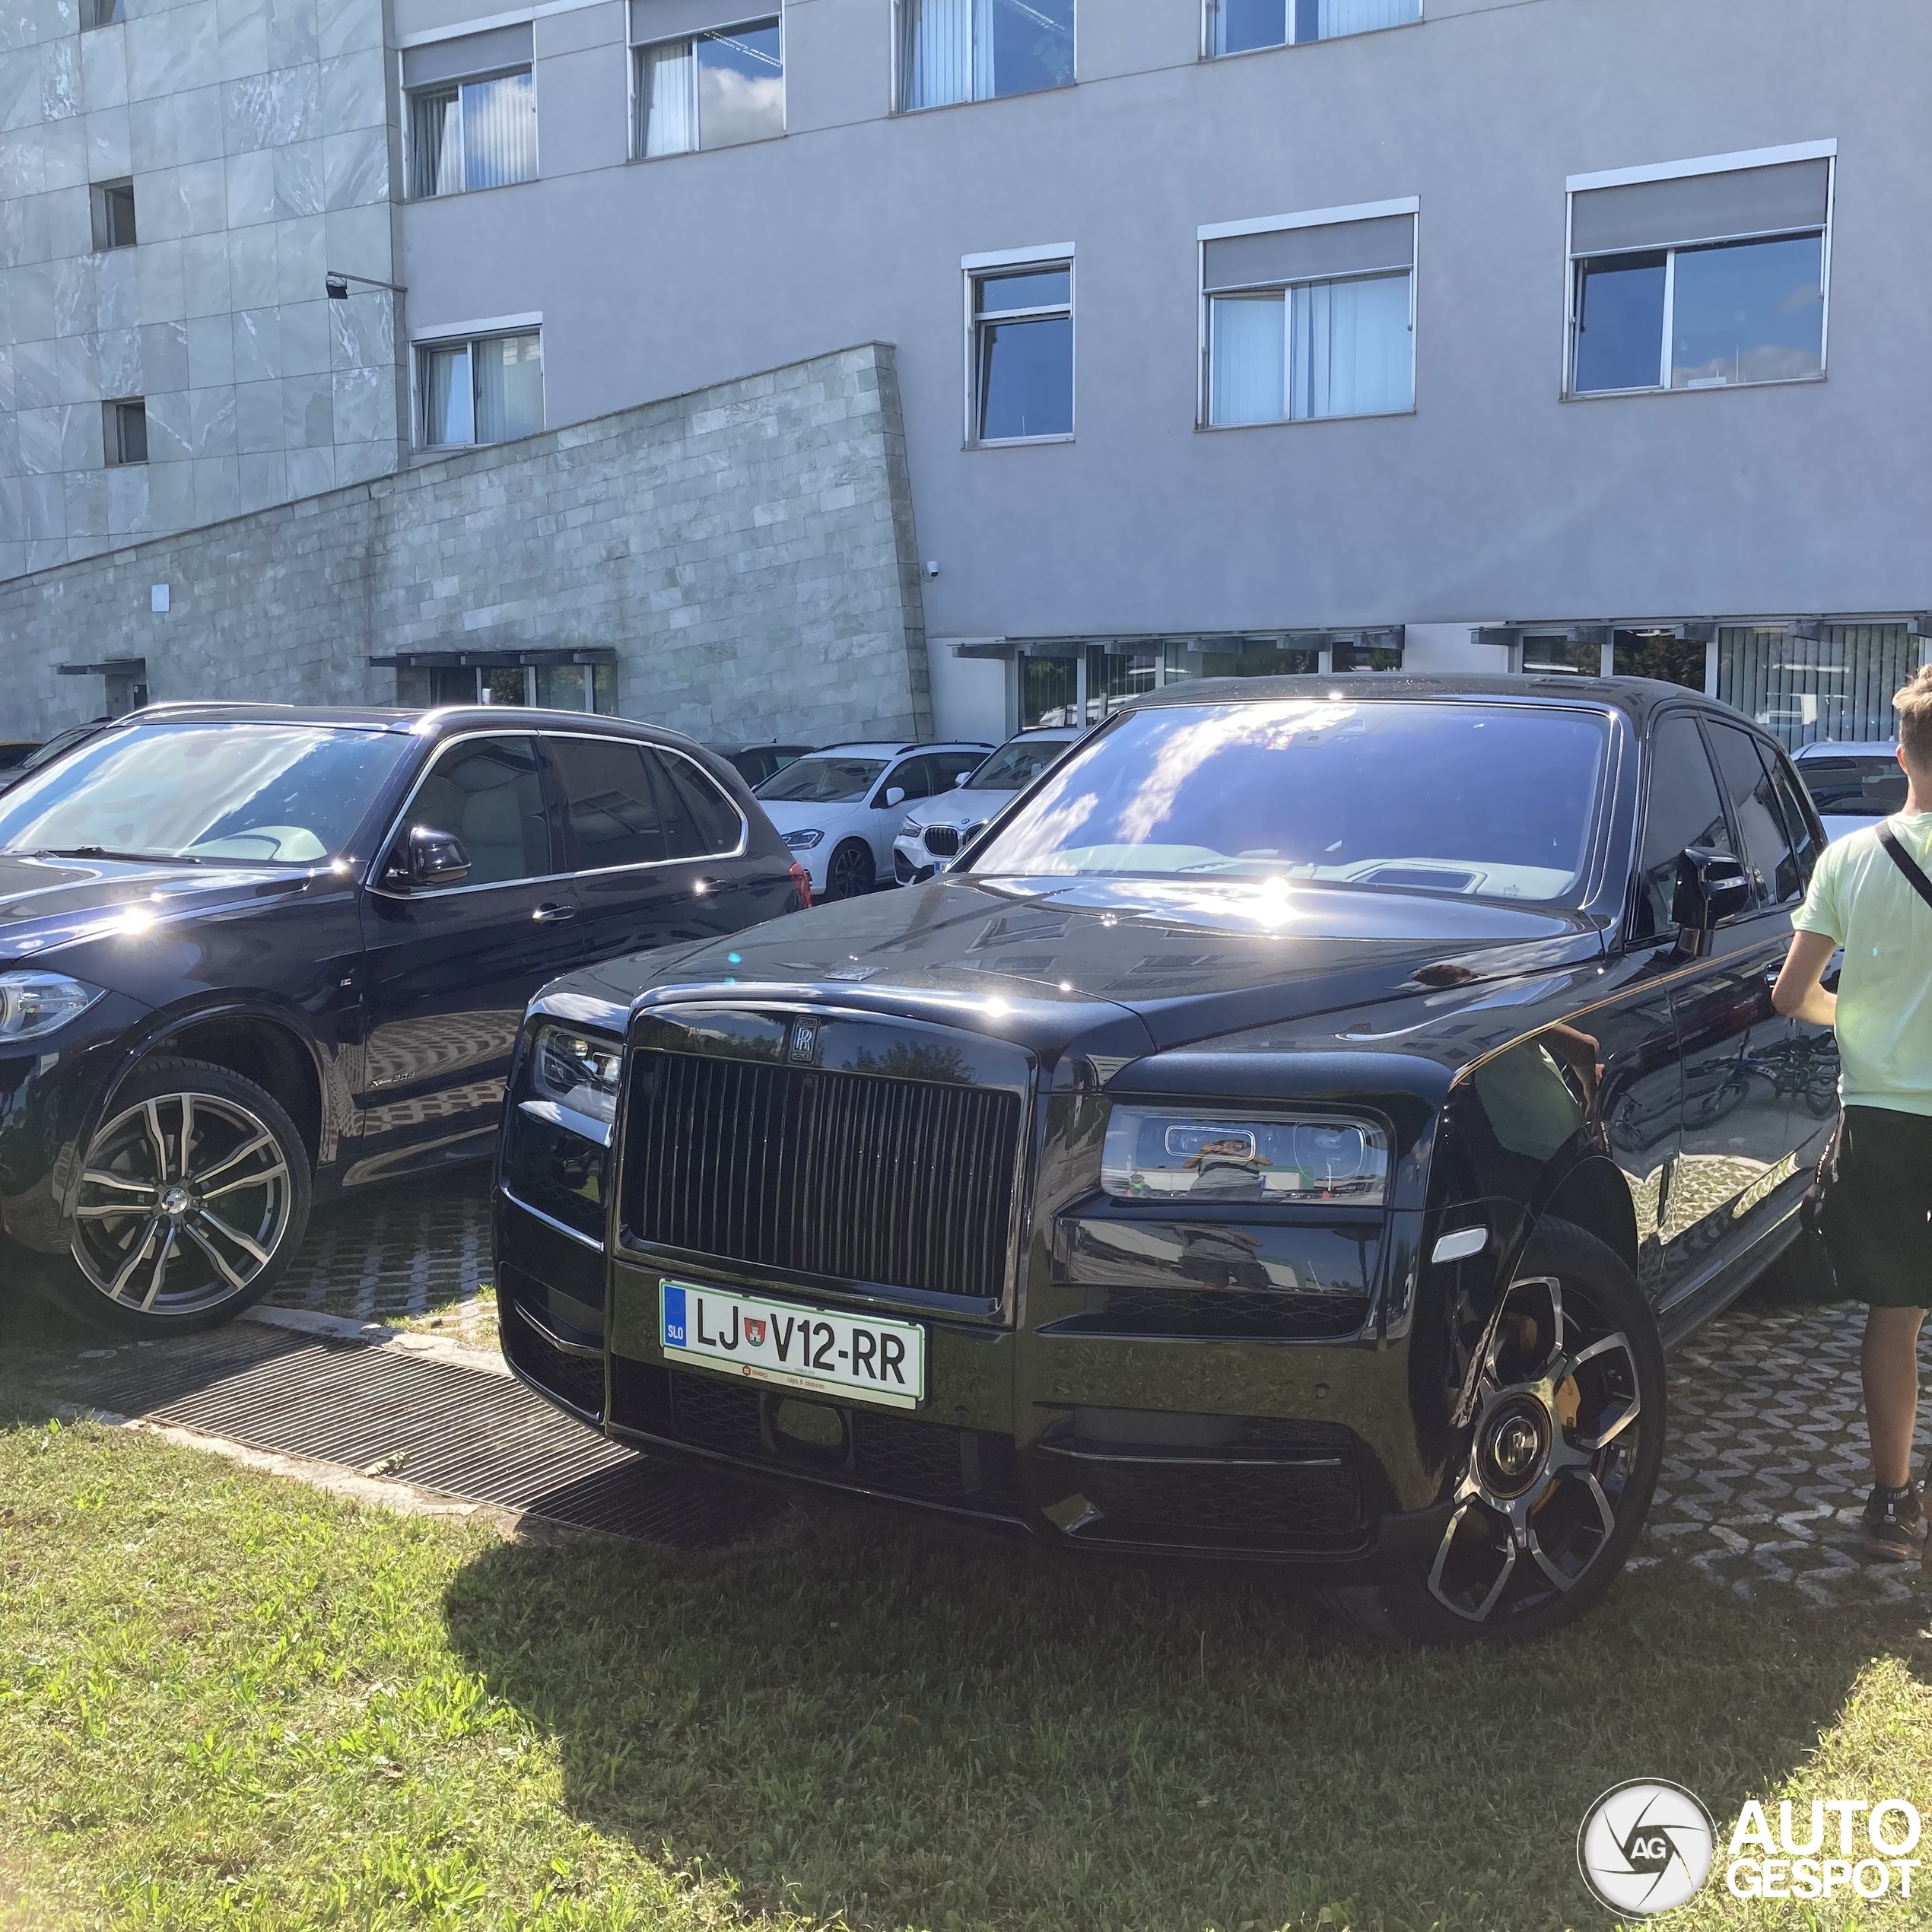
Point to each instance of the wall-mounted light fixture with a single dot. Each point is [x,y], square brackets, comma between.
[335,285]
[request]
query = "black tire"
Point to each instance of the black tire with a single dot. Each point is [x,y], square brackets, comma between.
[1547,1510]
[850,873]
[194,1197]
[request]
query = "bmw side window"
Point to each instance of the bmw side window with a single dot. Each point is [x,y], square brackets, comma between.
[1683,809]
[714,828]
[914,777]
[488,793]
[612,811]
[1804,841]
[1759,818]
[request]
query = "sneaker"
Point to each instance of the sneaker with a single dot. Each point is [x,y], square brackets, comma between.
[1893,1524]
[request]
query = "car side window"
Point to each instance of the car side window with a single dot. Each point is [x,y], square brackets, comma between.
[912,775]
[1683,809]
[609,805]
[948,768]
[488,793]
[1759,818]
[1804,841]
[703,823]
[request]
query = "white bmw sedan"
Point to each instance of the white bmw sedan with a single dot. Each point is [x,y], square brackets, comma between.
[931,837]
[839,809]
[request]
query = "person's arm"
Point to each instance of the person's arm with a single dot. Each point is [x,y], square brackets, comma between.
[1797,994]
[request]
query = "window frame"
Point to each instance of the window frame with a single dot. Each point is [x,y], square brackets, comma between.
[1323,217]
[113,441]
[554,807]
[975,269]
[102,196]
[1710,164]
[1669,932]
[411,95]
[1210,9]
[468,339]
[635,51]
[646,748]
[901,16]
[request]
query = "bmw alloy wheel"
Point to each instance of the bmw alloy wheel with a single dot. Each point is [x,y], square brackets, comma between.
[185,1201]
[849,872]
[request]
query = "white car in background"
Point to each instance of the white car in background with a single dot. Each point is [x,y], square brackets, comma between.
[1853,784]
[838,809]
[933,833]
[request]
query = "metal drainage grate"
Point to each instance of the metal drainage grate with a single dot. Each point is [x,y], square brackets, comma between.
[477,1437]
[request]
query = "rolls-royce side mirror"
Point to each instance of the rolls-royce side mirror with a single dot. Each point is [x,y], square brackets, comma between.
[425,858]
[1711,887]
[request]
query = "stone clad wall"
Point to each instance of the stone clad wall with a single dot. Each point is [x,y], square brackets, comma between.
[748,551]
[260,137]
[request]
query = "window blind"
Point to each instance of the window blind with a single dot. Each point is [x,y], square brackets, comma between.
[1700,207]
[1332,248]
[462,59]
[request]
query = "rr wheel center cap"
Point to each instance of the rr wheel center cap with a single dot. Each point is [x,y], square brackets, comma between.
[1515,1446]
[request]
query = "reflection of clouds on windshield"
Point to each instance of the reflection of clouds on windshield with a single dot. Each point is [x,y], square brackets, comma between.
[1049,821]
[1268,726]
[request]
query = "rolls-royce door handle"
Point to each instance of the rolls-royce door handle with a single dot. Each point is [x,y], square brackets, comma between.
[704,887]
[553,913]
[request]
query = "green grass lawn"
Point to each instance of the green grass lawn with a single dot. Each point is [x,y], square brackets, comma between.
[227,1700]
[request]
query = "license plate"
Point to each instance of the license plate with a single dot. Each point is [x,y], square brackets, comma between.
[859,1356]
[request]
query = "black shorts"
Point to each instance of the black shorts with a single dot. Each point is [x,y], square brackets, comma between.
[1877,1221]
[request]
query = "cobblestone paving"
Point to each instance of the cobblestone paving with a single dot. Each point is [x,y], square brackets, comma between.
[1764,1469]
[415,1255]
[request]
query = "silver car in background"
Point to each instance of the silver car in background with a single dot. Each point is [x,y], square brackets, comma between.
[933,832]
[1853,784]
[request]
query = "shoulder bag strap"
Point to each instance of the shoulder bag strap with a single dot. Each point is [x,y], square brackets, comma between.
[1895,851]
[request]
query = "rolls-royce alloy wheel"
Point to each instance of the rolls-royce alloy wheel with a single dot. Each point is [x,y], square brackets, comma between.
[1561,1457]
[850,871]
[193,1196]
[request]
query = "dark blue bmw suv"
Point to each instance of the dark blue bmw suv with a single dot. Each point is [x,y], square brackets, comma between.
[252,957]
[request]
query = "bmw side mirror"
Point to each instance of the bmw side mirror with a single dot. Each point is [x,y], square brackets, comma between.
[960,779]
[895,795]
[425,858]
[1711,887]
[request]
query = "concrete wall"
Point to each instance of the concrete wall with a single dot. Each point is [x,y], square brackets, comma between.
[748,551]
[1494,499]
[260,137]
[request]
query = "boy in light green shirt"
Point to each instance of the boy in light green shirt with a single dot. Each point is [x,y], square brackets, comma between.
[1878,1217]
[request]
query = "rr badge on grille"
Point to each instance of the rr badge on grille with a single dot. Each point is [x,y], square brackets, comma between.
[804,1041]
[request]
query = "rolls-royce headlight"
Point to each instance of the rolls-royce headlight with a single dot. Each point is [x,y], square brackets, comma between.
[1151,1154]
[578,1072]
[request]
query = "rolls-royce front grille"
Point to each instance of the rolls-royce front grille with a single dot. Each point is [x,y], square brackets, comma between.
[942,841]
[905,1183]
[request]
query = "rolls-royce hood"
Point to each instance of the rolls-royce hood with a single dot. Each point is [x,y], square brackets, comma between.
[1047,959]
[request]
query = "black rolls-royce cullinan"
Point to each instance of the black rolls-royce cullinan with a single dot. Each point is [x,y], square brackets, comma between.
[1293,1130]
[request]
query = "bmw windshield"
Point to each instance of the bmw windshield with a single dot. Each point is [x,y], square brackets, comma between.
[261,794]
[821,780]
[1493,801]
[1016,764]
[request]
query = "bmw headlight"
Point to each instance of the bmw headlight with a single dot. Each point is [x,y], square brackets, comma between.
[32,1004]
[805,841]
[578,1073]
[1151,1154]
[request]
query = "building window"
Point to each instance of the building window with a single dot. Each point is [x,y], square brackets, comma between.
[1239,26]
[487,390]
[713,90]
[1311,319]
[113,214]
[472,116]
[1836,683]
[1021,377]
[955,50]
[124,431]
[102,13]
[1706,276]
